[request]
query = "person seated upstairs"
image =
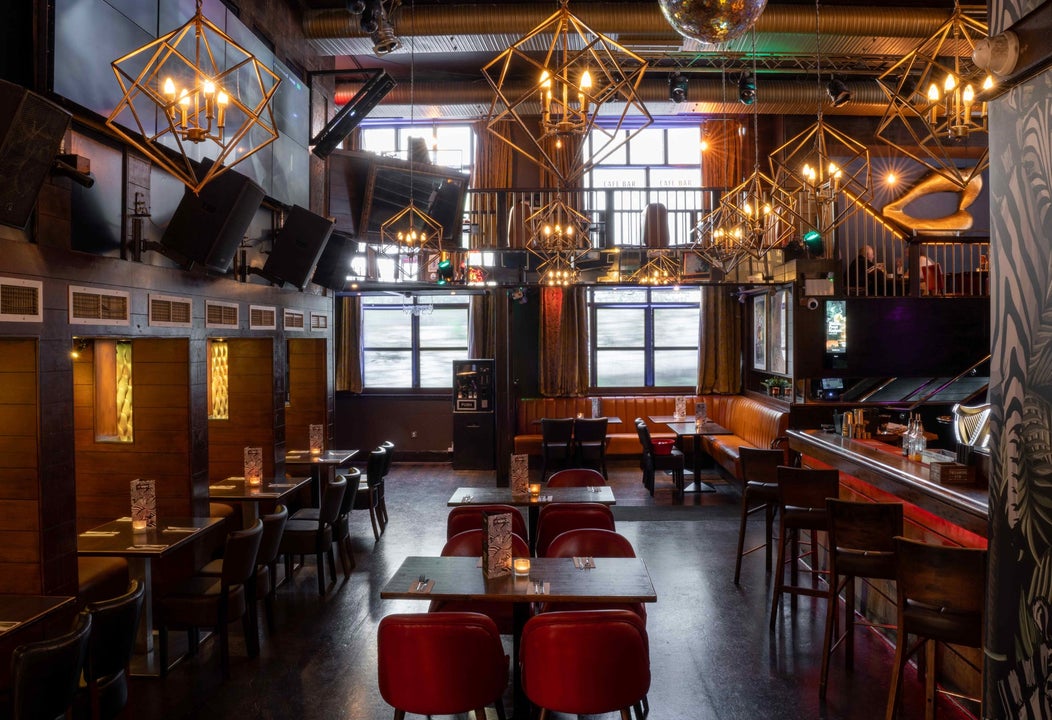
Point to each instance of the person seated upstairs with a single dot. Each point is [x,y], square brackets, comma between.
[865,275]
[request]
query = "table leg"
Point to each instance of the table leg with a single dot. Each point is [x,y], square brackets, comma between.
[521,708]
[533,511]
[249,514]
[141,568]
[315,485]
[698,486]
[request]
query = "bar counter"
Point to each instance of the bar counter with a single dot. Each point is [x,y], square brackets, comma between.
[884,468]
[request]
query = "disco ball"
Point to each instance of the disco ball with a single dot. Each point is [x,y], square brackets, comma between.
[712,21]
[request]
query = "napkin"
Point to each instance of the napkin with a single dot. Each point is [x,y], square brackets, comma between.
[283,485]
[99,533]
[223,487]
[544,498]
[178,529]
[417,588]
[465,499]
[583,563]
[147,547]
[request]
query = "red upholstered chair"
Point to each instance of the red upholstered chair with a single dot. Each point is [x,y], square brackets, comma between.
[441,664]
[469,544]
[469,517]
[585,662]
[577,477]
[590,542]
[555,519]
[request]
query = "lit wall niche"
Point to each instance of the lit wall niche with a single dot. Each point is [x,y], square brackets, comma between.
[218,380]
[113,391]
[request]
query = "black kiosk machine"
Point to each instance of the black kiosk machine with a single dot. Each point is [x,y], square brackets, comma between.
[473,418]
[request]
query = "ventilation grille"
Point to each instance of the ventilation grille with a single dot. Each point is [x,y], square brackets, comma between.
[294,320]
[94,306]
[262,318]
[169,311]
[220,315]
[319,322]
[20,300]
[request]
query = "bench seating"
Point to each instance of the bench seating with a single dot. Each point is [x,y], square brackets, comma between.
[753,423]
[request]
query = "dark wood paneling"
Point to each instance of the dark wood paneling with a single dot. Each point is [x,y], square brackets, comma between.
[308,390]
[251,422]
[20,565]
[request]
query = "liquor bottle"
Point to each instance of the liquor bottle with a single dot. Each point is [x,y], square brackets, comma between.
[907,438]
[920,443]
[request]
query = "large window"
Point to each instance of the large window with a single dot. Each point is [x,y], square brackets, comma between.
[411,342]
[644,337]
[448,145]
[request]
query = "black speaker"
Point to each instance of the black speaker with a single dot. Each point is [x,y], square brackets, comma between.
[297,248]
[351,115]
[335,262]
[206,229]
[31,131]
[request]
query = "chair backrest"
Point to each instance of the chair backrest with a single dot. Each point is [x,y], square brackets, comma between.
[557,431]
[585,661]
[590,430]
[440,663]
[469,517]
[760,464]
[807,488]
[239,557]
[273,528]
[591,542]
[469,544]
[374,468]
[389,457]
[576,477]
[352,476]
[644,436]
[941,590]
[331,501]
[45,674]
[114,623]
[971,424]
[862,537]
[555,519]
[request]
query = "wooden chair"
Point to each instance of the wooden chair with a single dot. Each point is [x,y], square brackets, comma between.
[315,537]
[802,495]
[759,492]
[941,594]
[370,489]
[590,443]
[861,545]
[556,443]
[45,674]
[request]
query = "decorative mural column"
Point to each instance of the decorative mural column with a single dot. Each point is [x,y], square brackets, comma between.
[1018,671]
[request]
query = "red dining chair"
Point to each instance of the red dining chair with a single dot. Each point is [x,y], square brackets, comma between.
[576,477]
[585,662]
[469,544]
[469,517]
[556,518]
[594,543]
[441,664]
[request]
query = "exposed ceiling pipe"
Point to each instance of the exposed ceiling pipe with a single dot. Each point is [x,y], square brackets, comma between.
[634,18]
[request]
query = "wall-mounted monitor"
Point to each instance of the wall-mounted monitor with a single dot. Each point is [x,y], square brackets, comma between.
[836,327]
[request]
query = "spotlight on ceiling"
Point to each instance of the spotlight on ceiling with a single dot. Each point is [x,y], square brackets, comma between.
[838,92]
[747,89]
[677,87]
[375,20]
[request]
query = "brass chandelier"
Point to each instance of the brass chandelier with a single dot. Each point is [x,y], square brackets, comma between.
[191,91]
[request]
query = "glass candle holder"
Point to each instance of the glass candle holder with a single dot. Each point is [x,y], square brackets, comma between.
[521,566]
[535,489]
[138,526]
[254,480]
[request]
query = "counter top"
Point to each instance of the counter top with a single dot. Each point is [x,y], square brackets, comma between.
[963,505]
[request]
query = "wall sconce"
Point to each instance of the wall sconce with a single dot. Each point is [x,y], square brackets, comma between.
[838,93]
[747,89]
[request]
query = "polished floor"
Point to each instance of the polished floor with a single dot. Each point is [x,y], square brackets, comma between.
[712,655]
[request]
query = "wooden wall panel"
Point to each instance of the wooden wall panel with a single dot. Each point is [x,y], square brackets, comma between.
[160,449]
[252,413]
[20,562]
[308,391]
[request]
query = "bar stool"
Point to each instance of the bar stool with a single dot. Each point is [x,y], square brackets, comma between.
[759,492]
[941,591]
[802,497]
[861,544]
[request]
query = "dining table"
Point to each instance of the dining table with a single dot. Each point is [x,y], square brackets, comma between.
[273,490]
[141,547]
[321,465]
[603,494]
[694,431]
[550,580]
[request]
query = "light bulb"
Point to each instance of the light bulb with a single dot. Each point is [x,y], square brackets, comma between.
[586,81]
[209,87]
[169,87]
[950,83]
[933,93]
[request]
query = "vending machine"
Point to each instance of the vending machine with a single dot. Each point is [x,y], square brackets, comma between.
[474,427]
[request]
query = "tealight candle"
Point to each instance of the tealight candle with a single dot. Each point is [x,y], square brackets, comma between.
[138,525]
[535,489]
[521,566]
[254,480]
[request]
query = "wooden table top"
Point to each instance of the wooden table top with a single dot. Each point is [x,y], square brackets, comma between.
[689,428]
[610,419]
[22,610]
[504,496]
[460,578]
[327,457]
[235,488]
[117,538]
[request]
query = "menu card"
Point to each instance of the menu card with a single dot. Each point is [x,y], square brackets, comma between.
[597,410]
[681,407]
[520,474]
[700,415]
[253,465]
[144,502]
[317,438]
[496,544]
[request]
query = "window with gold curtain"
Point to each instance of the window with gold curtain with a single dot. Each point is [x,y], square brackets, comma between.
[481,343]
[349,344]
[563,342]
[492,171]
[719,349]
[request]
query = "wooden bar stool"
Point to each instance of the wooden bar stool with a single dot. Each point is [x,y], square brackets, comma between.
[941,591]
[759,492]
[802,495]
[861,544]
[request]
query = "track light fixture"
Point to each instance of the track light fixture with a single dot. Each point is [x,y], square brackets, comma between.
[839,95]
[747,89]
[375,20]
[677,87]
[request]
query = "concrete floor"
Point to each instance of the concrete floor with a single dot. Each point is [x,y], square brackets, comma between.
[712,655]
